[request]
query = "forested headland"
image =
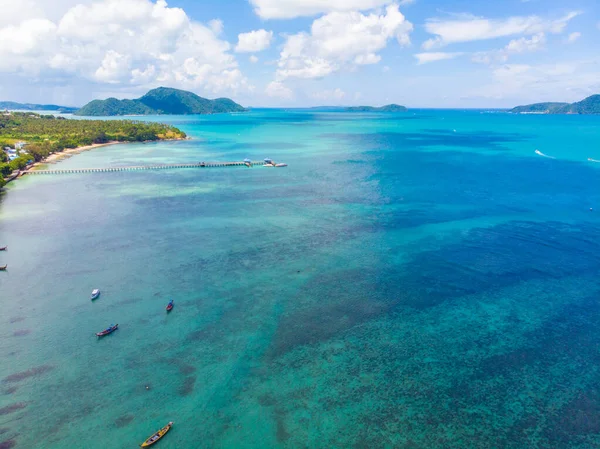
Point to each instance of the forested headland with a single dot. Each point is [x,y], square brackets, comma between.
[48,134]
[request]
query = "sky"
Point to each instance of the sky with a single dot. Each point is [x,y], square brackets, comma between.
[298,53]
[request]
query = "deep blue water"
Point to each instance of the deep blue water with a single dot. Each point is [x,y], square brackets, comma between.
[417,280]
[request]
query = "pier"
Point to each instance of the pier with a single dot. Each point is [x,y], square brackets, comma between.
[141,167]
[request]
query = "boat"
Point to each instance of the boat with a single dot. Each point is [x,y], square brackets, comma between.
[3,268]
[157,435]
[281,165]
[95,294]
[170,306]
[108,330]
[3,248]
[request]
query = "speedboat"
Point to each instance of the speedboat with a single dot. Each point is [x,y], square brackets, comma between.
[248,163]
[157,436]
[3,248]
[95,294]
[170,306]
[3,268]
[281,165]
[108,330]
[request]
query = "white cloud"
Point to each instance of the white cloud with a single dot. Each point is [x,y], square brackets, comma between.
[122,42]
[254,41]
[335,94]
[470,28]
[253,59]
[341,40]
[573,37]
[287,9]
[216,25]
[276,89]
[534,83]
[424,58]
[521,45]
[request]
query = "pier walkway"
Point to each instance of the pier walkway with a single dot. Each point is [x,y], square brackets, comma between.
[140,167]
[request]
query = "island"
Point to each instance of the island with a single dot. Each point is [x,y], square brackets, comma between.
[13,106]
[26,137]
[162,100]
[386,108]
[590,105]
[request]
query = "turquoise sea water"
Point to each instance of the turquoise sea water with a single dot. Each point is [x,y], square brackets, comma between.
[418,280]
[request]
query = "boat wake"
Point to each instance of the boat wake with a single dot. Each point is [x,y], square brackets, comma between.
[593,160]
[544,155]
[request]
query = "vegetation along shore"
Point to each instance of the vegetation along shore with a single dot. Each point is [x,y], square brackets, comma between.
[27,138]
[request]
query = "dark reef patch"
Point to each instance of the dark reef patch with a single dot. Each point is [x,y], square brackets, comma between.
[432,138]
[10,390]
[123,421]
[17,319]
[580,417]
[187,369]
[21,332]
[8,444]
[12,408]
[17,377]
[187,387]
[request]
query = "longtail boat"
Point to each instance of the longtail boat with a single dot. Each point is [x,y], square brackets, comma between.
[108,330]
[157,435]
[170,306]
[3,268]
[3,248]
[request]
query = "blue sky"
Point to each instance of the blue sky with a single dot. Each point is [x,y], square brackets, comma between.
[420,53]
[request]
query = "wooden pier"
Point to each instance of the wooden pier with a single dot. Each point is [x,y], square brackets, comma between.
[141,167]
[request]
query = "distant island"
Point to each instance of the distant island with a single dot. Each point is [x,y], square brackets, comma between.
[386,108]
[26,137]
[162,100]
[590,105]
[12,106]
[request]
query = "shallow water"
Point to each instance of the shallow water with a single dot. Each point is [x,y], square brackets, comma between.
[419,280]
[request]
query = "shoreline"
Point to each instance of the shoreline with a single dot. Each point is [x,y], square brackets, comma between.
[69,152]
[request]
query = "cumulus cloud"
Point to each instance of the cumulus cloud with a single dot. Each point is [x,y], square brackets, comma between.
[341,40]
[276,89]
[254,41]
[127,42]
[335,94]
[573,37]
[523,44]
[471,28]
[424,58]
[253,59]
[287,9]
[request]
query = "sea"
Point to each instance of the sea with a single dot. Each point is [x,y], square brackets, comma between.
[428,279]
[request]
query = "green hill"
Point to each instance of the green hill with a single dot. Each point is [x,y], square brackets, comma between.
[590,105]
[162,100]
[12,106]
[386,108]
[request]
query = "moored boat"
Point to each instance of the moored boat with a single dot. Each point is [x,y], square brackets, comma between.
[157,435]
[95,294]
[108,330]
[282,164]
[3,268]
[3,248]
[170,306]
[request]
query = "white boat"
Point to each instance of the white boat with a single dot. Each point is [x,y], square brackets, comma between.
[281,165]
[95,293]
